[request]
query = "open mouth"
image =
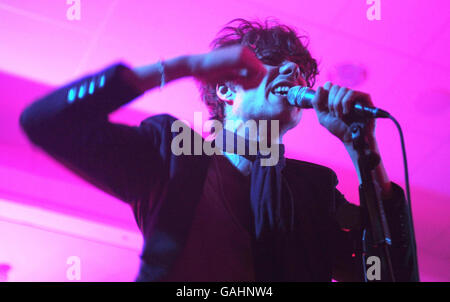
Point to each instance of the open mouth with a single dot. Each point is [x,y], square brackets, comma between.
[281,89]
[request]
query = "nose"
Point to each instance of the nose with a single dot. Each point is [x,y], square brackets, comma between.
[290,69]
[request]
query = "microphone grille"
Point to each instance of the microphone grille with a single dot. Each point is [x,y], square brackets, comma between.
[300,96]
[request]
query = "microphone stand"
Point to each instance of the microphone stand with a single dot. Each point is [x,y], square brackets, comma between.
[373,216]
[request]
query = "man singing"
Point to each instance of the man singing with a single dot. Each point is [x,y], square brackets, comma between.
[224,217]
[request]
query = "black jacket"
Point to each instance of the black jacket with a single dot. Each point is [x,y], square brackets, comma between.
[136,165]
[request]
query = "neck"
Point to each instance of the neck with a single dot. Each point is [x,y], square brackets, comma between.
[266,134]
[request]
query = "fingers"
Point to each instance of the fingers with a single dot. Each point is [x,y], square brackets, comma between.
[332,99]
[337,103]
[347,101]
[234,63]
[239,64]
[340,100]
[255,70]
[320,100]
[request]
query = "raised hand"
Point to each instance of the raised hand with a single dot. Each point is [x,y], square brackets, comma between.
[234,63]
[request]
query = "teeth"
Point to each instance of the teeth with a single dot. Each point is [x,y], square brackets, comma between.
[283,90]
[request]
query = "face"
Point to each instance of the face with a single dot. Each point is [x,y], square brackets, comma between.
[268,101]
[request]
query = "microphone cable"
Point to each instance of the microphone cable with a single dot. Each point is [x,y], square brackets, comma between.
[408,195]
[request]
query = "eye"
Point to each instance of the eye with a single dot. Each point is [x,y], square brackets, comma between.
[271,59]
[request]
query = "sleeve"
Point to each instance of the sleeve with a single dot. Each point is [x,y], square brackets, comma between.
[347,242]
[403,249]
[71,124]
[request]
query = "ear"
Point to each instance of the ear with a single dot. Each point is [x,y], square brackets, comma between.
[226,93]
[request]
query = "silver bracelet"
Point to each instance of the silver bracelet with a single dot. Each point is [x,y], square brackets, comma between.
[161,71]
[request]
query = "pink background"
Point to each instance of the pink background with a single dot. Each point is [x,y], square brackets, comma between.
[47,214]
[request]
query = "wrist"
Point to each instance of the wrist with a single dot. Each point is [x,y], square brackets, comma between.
[150,76]
[380,174]
[371,143]
[177,68]
[193,64]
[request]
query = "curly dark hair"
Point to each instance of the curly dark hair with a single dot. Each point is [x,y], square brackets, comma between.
[271,42]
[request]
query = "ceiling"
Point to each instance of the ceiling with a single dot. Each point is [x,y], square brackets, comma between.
[404,57]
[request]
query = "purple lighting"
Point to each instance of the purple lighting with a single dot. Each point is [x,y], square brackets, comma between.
[48,214]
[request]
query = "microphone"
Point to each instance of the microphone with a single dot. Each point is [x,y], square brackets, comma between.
[301,96]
